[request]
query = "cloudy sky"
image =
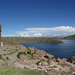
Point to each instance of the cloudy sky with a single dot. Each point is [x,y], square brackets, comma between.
[37,18]
[53,31]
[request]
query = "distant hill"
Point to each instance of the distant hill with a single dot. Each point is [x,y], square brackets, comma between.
[72,37]
[18,40]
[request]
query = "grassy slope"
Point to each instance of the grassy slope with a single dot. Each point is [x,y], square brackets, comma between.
[8,41]
[72,37]
[13,71]
[17,40]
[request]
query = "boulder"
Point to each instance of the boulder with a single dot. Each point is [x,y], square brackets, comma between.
[39,64]
[50,56]
[40,52]
[72,60]
[59,59]
[63,60]
[44,63]
[18,65]
[23,57]
[1,62]
[35,56]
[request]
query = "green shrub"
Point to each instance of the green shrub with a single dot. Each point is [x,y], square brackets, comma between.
[7,58]
[38,62]
[27,48]
[53,58]
[0,56]
[29,52]
[4,50]
[46,56]
[21,53]
[17,50]
[4,54]
[11,53]
[57,60]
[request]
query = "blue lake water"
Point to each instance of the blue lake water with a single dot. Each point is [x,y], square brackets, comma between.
[59,50]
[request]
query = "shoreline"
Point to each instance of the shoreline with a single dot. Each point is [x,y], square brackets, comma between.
[13,54]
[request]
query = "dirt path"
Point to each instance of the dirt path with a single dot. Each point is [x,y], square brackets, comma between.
[12,59]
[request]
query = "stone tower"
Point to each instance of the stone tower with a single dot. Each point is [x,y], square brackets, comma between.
[0,35]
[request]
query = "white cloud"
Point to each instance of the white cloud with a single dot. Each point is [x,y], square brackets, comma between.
[24,35]
[39,34]
[54,31]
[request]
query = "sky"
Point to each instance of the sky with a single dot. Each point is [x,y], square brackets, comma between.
[37,18]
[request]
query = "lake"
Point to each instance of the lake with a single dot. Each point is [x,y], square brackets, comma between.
[59,50]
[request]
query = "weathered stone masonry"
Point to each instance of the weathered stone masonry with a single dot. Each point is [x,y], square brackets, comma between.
[0,35]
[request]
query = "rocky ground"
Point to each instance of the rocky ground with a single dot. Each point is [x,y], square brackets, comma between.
[31,58]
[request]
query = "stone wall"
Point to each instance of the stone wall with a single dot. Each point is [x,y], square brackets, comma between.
[0,34]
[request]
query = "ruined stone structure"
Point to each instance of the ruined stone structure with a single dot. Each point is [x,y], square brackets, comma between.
[0,35]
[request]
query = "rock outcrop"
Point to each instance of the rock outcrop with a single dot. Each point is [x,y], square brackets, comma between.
[32,58]
[72,60]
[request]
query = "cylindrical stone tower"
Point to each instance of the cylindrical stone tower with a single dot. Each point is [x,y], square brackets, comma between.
[0,35]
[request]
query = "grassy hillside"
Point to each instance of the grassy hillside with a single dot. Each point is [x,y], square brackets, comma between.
[13,71]
[17,40]
[8,41]
[72,37]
